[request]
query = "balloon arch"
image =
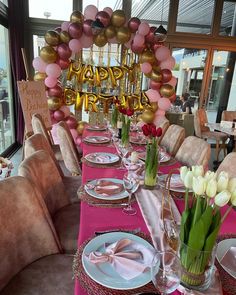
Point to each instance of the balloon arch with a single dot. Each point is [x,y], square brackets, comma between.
[98,28]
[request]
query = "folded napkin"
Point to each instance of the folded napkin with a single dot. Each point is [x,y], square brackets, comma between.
[229,259]
[102,158]
[176,181]
[128,258]
[108,188]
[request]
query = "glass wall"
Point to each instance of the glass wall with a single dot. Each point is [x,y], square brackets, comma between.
[227,24]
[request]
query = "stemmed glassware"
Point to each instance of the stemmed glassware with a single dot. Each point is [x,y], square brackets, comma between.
[131,184]
[166,272]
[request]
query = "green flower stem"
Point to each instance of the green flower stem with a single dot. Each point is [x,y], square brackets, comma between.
[186,199]
[151,164]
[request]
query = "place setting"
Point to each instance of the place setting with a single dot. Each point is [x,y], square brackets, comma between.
[102,159]
[96,128]
[97,140]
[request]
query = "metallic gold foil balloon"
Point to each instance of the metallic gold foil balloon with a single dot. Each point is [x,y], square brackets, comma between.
[40,76]
[147,56]
[52,38]
[69,96]
[100,40]
[154,106]
[110,32]
[123,35]
[77,17]
[65,37]
[118,18]
[156,68]
[156,76]
[167,90]
[48,54]
[81,126]
[54,103]
[148,116]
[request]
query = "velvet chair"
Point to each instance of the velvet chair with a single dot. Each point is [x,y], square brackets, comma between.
[164,124]
[31,262]
[202,131]
[70,154]
[40,169]
[228,116]
[228,165]
[38,126]
[194,151]
[173,138]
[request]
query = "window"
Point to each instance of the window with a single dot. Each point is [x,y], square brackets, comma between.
[227,18]
[56,9]
[4,2]
[101,4]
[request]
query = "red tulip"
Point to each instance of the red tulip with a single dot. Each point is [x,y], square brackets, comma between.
[130,112]
[159,132]
[145,130]
[153,130]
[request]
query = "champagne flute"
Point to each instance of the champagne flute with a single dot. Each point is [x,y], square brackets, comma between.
[131,184]
[166,272]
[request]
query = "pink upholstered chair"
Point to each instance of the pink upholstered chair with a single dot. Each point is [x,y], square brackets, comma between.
[40,169]
[38,126]
[173,138]
[30,257]
[194,151]
[228,165]
[164,124]
[228,116]
[68,148]
[202,131]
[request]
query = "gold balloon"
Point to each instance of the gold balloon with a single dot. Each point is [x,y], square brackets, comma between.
[167,90]
[118,18]
[123,35]
[40,76]
[147,56]
[154,106]
[54,103]
[148,116]
[77,17]
[100,40]
[140,118]
[52,38]
[48,54]
[110,32]
[156,68]
[156,76]
[65,37]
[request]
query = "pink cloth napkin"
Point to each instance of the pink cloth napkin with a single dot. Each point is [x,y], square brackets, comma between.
[101,158]
[229,259]
[176,181]
[108,188]
[128,258]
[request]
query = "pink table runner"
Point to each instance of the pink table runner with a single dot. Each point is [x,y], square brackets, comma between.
[98,219]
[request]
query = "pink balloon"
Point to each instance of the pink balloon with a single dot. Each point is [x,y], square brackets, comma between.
[128,44]
[74,133]
[53,70]
[139,40]
[58,115]
[146,67]
[87,27]
[65,26]
[71,122]
[64,64]
[108,10]
[160,113]
[103,17]
[153,95]
[65,110]
[78,140]
[133,24]
[50,82]
[64,51]
[155,85]
[86,41]
[158,119]
[75,30]
[164,103]
[75,45]
[150,36]
[137,48]
[143,29]
[55,91]
[168,63]
[172,82]
[90,12]
[39,64]
[162,53]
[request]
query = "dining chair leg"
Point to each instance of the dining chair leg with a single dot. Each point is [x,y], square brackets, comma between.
[224,147]
[217,150]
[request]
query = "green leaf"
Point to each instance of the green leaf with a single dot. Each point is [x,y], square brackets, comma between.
[198,212]
[184,227]
[215,220]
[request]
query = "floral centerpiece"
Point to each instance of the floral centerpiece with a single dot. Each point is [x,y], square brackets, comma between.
[126,114]
[151,162]
[201,221]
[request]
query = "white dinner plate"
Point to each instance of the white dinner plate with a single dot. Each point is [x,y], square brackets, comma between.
[163,158]
[104,273]
[90,190]
[96,128]
[222,247]
[175,178]
[102,158]
[138,141]
[96,139]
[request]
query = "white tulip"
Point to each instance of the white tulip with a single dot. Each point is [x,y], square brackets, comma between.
[233,198]
[222,181]
[232,184]
[183,172]
[188,180]
[210,175]
[211,188]
[222,198]
[199,185]
[198,171]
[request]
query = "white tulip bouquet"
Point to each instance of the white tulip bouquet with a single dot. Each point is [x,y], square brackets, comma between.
[201,219]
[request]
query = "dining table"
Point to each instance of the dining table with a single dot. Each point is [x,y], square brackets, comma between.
[101,218]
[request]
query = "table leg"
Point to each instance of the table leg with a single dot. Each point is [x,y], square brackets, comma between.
[231,144]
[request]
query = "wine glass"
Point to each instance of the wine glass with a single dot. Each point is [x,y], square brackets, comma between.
[166,272]
[131,184]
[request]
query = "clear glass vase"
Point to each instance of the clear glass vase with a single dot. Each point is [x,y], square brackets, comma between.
[197,267]
[151,164]
[125,131]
